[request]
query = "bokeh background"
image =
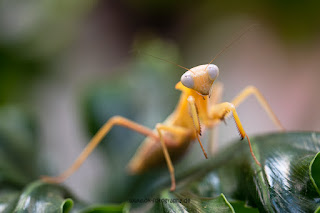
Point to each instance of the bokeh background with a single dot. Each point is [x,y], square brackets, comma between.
[73,64]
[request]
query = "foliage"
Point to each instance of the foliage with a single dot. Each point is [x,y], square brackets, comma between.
[288,180]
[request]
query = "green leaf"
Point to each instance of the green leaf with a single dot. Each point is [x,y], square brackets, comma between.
[282,184]
[107,208]
[42,197]
[315,171]
[241,207]
[188,202]
[8,199]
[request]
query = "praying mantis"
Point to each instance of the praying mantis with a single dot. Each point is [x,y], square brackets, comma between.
[197,107]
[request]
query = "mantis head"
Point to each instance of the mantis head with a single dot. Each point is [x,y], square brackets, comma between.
[200,78]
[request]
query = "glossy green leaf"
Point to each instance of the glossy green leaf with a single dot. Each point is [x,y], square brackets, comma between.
[41,197]
[8,199]
[121,208]
[282,184]
[315,171]
[186,202]
[241,207]
[198,204]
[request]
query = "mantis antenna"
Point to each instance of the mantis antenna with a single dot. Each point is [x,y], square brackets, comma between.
[232,42]
[219,53]
[164,60]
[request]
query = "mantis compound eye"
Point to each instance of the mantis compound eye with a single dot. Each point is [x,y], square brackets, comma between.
[213,71]
[187,80]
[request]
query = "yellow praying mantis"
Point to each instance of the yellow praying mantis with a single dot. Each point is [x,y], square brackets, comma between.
[198,106]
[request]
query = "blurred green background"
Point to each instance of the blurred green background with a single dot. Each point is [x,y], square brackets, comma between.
[72,65]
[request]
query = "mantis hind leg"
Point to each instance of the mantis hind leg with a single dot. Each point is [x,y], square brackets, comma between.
[103,131]
[251,90]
